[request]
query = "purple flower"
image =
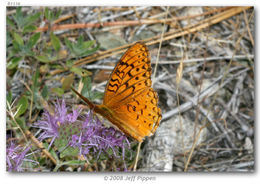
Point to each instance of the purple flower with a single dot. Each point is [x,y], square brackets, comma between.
[87,134]
[50,124]
[15,155]
[96,138]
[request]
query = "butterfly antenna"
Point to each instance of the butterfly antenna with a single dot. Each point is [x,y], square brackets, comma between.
[90,104]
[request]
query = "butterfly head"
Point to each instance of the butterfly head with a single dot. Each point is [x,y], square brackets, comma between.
[103,110]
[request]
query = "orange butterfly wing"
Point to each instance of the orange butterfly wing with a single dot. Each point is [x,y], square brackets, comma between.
[129,101]
[131,74]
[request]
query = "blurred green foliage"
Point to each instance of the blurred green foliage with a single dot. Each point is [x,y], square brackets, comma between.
[81,47]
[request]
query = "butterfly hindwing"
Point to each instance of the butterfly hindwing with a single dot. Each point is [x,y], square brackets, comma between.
[141,115]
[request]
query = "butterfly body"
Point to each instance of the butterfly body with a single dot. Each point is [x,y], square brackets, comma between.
[129,101]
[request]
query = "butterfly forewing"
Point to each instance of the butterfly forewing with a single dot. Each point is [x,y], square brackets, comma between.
[130,77]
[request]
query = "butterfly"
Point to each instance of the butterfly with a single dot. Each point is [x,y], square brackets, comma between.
[129,101]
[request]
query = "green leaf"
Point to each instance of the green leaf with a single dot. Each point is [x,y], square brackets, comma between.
[86,90]
[8,39]
[53,153]
[80,41]
[21,122]
[68,44]
[97,95]
[77,49]
[67,82]
[29,28]
[23,21]
[50,15]
[80,71]
[33,40]
[22,106]
[45,92]
[81,48]
[73,163]
[18,17]
[69,63]
[88,44]
[9,97]
[32,18]
[18,39]
[13,63]
[58,91]
[45,59]
[35,86]
[91,51]
[69,151]
[61,143]
[55,42]
[16,47]
[46,13]
[9,22]
[58,14]
[35,80]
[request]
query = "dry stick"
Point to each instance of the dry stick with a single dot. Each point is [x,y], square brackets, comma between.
[194,145]
[215,96]
[112,9]
[120,23]
[24,9]
[201,25]
[114,16]
[153,40]
[200,86]
[99,18]
[64,18]
[248,29]
[160,45]
[137,155]
[207,92]
[40,146]
[212,122]
[194,60]
[173,19]
[178,80]
[97,25]
[232,114]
